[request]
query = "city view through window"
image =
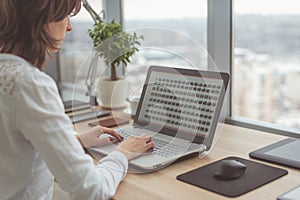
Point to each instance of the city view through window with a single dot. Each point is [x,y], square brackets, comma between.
[266,72]
[266,65]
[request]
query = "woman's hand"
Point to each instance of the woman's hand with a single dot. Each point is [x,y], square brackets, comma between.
[135,146]
[131,148]
[91,137]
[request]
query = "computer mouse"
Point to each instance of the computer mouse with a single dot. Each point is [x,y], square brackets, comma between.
[230,170]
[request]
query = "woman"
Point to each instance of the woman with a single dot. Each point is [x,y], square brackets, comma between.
[36,138]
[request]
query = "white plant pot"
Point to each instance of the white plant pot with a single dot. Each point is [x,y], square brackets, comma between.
[112,94]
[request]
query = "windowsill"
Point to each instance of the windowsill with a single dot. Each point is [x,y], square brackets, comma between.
[263,126]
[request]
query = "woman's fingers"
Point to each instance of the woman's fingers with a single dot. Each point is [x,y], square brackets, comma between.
[112,133]
[106,140]
[91,137]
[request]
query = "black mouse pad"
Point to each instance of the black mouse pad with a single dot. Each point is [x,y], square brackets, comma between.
[256,175]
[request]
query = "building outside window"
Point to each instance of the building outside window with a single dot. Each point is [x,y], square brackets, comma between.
[266,67]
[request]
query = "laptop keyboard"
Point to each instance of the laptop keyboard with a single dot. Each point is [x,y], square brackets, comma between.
[162,148]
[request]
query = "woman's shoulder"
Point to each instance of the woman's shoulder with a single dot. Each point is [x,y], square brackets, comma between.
[16,72]
[12,65]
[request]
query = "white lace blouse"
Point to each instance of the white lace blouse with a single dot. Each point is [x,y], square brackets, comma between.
[37,141]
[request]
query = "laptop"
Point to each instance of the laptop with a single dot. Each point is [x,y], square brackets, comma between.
[180,109]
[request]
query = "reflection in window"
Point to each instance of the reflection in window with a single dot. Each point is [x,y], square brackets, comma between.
[266,61]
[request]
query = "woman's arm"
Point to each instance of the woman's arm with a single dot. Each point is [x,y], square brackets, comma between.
[40,118]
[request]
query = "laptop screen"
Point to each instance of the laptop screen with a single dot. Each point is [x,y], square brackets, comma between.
[182,102]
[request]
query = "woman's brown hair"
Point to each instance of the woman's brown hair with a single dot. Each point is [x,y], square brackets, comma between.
[23,26]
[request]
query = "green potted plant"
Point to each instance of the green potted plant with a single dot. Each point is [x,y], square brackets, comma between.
[115,47]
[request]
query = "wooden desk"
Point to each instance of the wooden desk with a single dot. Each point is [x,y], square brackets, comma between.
[234,141]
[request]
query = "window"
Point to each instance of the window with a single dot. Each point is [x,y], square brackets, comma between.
[175,34]
[261,52]
[266,68]
[75,49]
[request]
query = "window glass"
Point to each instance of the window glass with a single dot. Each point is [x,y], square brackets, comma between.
[77,46]
[266,72]
[174,35]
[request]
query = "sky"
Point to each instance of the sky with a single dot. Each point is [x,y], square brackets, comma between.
[268,6]
[159,9]
[153,9]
